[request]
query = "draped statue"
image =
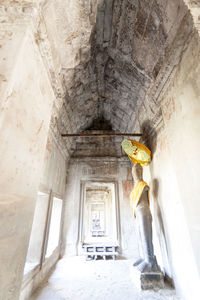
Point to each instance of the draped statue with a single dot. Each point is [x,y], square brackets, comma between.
[150,275]
[141,211]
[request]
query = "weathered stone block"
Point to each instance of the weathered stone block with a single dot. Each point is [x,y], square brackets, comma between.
[147,280]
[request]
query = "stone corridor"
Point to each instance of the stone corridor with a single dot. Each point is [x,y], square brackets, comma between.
[77,279]
[77,77]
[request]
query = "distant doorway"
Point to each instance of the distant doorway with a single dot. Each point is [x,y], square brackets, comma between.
[99,223]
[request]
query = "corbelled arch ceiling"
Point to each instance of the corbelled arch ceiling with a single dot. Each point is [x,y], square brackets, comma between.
[113,58]
[114,55]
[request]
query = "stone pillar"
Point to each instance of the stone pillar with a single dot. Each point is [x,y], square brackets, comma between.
[25,110]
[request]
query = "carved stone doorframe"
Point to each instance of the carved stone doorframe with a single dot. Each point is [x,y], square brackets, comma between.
[115,197]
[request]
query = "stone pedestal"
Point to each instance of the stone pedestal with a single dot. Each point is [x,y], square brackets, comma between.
[147,280]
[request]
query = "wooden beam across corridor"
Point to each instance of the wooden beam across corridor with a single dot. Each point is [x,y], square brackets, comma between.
[100,134]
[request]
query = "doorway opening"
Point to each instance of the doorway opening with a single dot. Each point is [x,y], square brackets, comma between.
[99,226]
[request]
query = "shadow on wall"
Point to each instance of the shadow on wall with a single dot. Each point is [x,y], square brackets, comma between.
[149,137]
[160,229]
[150,140]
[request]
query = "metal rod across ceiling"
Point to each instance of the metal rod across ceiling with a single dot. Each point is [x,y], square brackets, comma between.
[99,134]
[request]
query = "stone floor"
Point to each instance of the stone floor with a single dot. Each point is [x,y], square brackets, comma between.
[77,279]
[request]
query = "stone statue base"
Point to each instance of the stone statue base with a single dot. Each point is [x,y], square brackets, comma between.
[144,280]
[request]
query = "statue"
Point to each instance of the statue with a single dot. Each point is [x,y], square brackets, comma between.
[141,210]
[146,272]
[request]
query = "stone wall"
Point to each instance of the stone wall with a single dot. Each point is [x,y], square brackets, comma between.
[26,103]
[30,87]
[174,175]
[97,146]
[54,169]
[53,180]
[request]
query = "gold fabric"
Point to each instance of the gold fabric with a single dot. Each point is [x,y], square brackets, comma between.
[137,152]
[136,194]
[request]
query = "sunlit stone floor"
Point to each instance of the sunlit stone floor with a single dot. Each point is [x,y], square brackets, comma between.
[77,279]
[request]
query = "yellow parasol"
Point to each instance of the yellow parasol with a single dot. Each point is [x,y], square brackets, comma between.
[137,152]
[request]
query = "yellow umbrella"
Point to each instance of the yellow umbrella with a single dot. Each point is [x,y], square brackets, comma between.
[137,152]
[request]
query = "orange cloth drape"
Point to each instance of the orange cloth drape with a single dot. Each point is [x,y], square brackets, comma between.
[136,194]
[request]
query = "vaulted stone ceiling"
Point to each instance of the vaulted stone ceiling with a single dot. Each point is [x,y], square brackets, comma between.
[114,56]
